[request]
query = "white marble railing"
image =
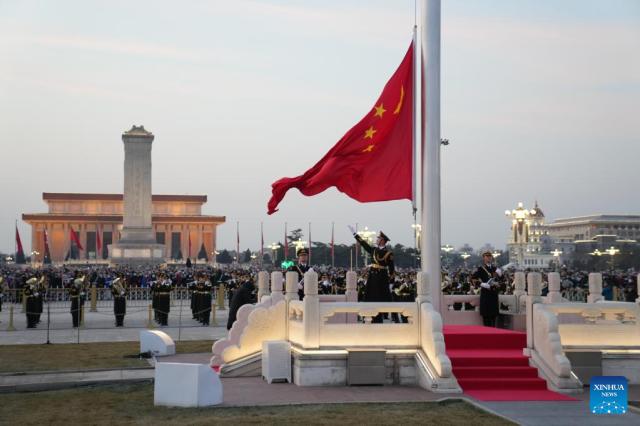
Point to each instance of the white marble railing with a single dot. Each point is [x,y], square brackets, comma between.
[554,327]
[602,324]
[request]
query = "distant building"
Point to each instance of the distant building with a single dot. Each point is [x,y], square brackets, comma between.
[176,220]
[624,227]
[575,238]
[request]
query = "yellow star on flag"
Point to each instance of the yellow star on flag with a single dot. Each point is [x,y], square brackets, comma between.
[368,134]
[368,148]
[379,110]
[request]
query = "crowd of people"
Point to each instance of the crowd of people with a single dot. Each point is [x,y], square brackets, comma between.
[378,281]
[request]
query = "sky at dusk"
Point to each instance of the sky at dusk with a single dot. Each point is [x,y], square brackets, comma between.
[540,100]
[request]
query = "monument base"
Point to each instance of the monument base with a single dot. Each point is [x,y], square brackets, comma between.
[136,253]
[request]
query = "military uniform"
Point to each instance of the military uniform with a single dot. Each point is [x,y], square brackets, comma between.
[206,299]
[75,294]
[489,291]
[381,270]
[300,268]
[119,292]
[30,293]
[164,300]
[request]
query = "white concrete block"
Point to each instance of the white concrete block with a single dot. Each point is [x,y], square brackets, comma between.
[158,342]
[276,360]
[186,385]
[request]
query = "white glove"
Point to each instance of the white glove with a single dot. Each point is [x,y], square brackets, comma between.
[310,270]
[499,272]
[485,285]
[353,231]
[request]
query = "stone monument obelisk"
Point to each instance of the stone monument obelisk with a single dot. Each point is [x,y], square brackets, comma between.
[137,243]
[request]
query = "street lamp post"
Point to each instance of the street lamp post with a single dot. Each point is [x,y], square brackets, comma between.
[274,252]
[556,254]
[464,257]
[612,251]
[520,228]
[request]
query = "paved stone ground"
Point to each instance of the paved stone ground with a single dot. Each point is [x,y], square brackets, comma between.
[99,326]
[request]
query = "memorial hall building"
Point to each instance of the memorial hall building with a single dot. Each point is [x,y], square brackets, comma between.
[177,221]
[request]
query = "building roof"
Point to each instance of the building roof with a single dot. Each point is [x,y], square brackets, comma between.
[596,218]
[53,217]
[75,196]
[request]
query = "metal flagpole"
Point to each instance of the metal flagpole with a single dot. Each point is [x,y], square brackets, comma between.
[333,252]
[309,243]
[414,129]
[430,103]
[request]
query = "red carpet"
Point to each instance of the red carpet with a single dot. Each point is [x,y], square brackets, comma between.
[489,365]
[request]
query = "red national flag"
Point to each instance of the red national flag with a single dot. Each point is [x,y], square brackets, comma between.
[19,249]
[373,160]
[98,241]
[75,239]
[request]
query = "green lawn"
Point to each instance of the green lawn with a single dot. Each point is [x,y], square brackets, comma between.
[83,356]
[133,404]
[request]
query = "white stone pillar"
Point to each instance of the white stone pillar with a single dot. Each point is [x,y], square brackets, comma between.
[534,295]
[554,295]
[311,316]
[423,293]
[519,290]
[263,284]
[291,286]
[595,287]
[276,287]
[351,295]
[137,179]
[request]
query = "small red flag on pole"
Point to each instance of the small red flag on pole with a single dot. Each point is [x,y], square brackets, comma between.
[238,242]
[75,239]
[98,242]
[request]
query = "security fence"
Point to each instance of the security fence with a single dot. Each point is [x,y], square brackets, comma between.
[57,311]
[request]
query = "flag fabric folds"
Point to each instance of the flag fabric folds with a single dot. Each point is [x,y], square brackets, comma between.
[373,160]
[75,239]
[20,259]
[98,243]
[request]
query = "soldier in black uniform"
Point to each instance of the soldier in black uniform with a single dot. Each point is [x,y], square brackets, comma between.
[164,299]
[119,292]
[300,267]
[76,293]
[381,271]
[193,289]
[206,299]
[487,275]
[29,292]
